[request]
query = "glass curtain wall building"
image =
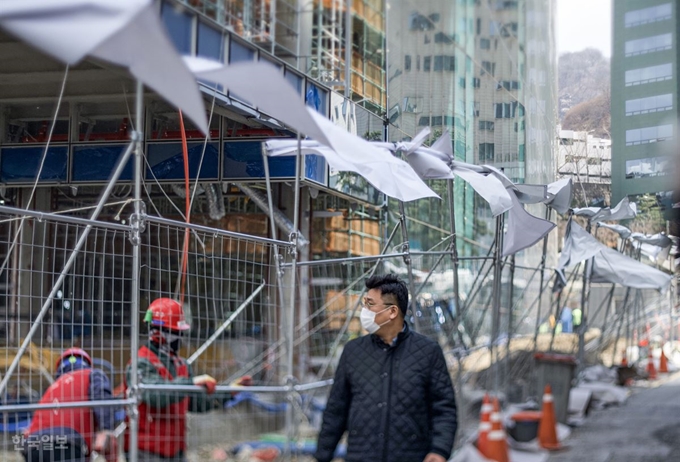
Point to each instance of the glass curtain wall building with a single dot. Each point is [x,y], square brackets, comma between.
[485,72]
[644,121]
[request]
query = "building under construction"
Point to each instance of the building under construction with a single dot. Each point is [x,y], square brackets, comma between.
[269,255]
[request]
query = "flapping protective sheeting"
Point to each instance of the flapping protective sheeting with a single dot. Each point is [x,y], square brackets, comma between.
[523,229]
[126,33]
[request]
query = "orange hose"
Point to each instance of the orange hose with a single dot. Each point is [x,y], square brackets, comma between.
[185,248]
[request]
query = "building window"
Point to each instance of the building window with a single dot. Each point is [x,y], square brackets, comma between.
[485,44]
[441,37]
[486,125]
[407,62]
[650,104]
[649,167]
[412,104]
[508,85]
[522,153]
[649,44]
[489,67]
[486,152]
[504,110]
[179,26]
[209,42]
[444,63]
[648,15]
[649,74]
[648,134]
[475,82]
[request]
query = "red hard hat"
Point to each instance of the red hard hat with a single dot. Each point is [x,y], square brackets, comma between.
[75,352]
[168,313]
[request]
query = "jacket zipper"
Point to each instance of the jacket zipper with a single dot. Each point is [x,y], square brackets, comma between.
[390,351]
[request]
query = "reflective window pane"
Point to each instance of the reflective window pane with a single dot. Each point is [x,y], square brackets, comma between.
[166,161]
[649,74]
[649,104]
[210,43]
[649,44]
[96,163]
[648,134]
[649,167]
[648,15]
[21,164]
[179,26]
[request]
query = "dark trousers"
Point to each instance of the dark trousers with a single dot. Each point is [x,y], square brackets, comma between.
[67,453]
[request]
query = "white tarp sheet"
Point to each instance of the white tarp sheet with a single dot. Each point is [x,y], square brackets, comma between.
[127,33]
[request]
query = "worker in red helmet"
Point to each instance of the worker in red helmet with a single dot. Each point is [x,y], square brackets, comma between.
[162,414]
[73,433]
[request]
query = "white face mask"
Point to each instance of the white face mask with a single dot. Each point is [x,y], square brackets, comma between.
[367,318]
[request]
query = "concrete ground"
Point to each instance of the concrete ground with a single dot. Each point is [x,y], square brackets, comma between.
[645,429]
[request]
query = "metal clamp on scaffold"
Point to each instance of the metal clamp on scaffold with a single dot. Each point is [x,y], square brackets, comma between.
[405,250]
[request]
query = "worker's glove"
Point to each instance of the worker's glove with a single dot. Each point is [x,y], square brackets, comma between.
[206,381]
[244,381]
[106,445]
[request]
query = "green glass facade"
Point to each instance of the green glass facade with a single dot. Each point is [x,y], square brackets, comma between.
[644,103]
[485,72]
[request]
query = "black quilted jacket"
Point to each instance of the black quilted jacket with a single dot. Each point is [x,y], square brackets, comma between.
[396,402]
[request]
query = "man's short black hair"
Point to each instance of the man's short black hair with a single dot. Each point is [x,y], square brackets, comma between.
[393,285]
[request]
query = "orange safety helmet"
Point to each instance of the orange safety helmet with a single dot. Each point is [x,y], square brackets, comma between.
[166,313]
[74,353]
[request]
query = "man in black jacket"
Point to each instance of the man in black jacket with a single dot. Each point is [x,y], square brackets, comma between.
[392,391]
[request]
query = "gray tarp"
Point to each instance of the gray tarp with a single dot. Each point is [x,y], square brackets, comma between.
[608,264]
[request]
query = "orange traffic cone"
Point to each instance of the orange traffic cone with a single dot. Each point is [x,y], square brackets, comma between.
[547,427]
[624,360]
[484,425]
[651,370]
[663,363]
[498,443]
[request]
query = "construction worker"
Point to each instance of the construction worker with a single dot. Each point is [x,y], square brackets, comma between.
[162,414]
[72,433]
[576,316]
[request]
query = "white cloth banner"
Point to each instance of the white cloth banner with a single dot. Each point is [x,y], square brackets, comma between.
[380,167]
[127,33]
[264,86]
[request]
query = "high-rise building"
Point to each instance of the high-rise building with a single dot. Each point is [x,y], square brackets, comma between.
[485,71]
[644,86]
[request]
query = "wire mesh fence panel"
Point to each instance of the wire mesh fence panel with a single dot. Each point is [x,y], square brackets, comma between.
[90,310]
[228,285]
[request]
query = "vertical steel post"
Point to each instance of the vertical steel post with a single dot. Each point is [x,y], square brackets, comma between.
[548,212]
[496,309]
[585,294]
[138,137]
[290,325]
[454,255]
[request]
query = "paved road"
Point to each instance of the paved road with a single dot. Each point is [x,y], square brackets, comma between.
[645,429]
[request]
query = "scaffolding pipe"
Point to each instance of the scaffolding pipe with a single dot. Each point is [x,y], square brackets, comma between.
[136,265]
[290,325]
[548,212]
[496,312]
[409,265]
[225,324]
[511,306]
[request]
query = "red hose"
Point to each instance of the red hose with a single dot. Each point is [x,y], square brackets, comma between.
[185,248]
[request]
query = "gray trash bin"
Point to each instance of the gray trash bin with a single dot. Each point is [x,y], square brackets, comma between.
[558,371]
